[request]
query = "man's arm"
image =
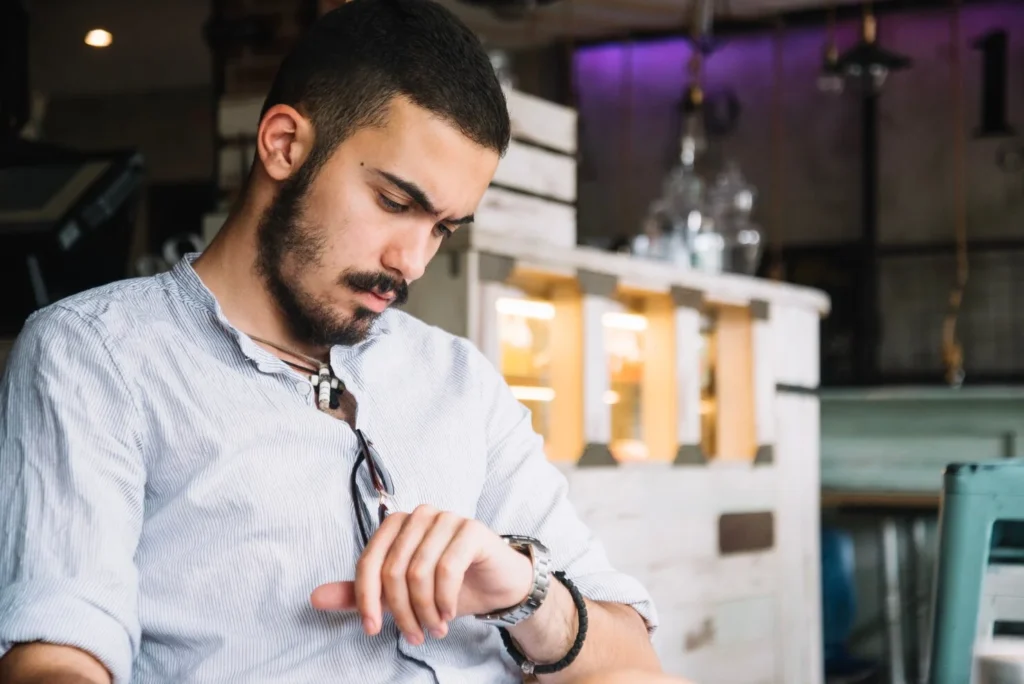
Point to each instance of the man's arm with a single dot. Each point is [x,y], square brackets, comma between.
[49,664]
[72,485]
[525,494]
[616,637]
[428,567]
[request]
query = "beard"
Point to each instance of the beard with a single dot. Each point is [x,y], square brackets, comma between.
[284,236]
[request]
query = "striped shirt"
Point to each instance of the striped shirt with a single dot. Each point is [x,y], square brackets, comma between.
[170,496]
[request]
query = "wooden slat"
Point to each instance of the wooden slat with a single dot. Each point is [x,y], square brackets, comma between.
[537,171]
[533,119]
[659,400]
[597,415]
[762,347]
[511,213]
[736,432]
[541,121]
[448,297]
[566,442]
[687,336]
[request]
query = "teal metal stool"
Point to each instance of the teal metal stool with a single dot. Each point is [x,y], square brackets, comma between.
[982,514]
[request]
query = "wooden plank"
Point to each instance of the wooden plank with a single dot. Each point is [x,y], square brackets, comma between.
[831,498]
[660,414]
[734,380]
[794,333]
[715,288]
[489,335]
[675,582]
[533,119]
[537,171]
[566,443]
[715,643]
[660,491]
[541,121]
[505,212]
[597,415]
[442,296]
[798,540]
[687,335]
[764,360]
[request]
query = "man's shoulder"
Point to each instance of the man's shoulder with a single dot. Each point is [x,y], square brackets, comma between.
[112,309]
[105,317]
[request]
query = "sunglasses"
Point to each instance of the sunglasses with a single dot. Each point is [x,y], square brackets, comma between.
[378,480]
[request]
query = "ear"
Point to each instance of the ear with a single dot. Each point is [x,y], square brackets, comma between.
[283,141]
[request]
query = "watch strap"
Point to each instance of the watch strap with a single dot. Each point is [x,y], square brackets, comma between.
[540,558]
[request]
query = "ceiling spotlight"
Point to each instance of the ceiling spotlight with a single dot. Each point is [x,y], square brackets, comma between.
[98,38]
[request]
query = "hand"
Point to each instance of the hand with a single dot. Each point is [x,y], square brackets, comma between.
[427,568]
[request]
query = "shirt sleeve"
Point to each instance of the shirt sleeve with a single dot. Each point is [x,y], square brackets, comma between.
[526,494]
[71,493]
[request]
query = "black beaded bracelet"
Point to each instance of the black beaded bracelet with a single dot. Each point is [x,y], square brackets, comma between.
[581,634]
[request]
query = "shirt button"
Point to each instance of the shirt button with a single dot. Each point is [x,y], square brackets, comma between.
[302,387]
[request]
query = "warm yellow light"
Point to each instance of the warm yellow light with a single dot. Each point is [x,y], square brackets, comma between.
[527,308]
[98,38]
[629,450]
[611,397]
[526,393]
[624,321]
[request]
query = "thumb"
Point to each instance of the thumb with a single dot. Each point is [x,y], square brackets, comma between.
[334,596]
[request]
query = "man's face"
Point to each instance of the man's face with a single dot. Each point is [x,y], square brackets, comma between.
[338,247]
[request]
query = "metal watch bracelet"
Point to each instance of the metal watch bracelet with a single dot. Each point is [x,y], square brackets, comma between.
[540,556]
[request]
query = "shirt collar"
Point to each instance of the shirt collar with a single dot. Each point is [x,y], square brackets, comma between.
[194,288]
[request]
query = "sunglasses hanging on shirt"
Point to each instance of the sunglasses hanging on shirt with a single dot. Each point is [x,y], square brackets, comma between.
[330,390]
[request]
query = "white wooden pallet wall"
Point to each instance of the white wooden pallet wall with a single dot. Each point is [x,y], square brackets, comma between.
[739,617]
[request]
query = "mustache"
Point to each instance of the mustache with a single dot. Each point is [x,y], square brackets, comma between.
[379,282]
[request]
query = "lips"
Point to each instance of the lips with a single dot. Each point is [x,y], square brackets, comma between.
[376,301]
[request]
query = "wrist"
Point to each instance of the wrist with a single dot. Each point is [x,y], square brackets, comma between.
[549,633]
[515,604]
[553,639]
[522,579]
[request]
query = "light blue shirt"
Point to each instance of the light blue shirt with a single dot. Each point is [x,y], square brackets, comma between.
[170,497]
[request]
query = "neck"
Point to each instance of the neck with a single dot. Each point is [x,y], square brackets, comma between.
[228,269]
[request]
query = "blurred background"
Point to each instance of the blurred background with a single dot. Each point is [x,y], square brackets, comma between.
[871,151]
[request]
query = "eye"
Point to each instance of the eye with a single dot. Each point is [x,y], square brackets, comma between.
[390,205]
[442,231]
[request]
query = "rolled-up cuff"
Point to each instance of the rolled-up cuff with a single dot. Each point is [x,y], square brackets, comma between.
[31,612]
[615,587]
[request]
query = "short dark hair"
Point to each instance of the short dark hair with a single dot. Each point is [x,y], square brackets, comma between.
[350,63]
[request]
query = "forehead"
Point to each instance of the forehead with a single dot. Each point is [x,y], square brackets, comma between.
[419,146]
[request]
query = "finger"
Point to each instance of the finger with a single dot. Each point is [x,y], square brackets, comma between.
[334,596]
[395,568]
[450,572]
[338,596]
[368,589]
[422,571]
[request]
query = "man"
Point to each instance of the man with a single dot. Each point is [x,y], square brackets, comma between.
[252,469]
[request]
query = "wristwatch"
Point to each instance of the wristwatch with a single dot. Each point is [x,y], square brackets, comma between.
[541,558]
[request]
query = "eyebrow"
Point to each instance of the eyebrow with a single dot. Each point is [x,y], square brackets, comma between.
[418,196]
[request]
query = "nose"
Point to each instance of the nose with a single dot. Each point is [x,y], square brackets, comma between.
[410,251]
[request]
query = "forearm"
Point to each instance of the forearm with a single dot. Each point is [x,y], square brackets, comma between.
[56,678]
[39,663]
[616,637]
